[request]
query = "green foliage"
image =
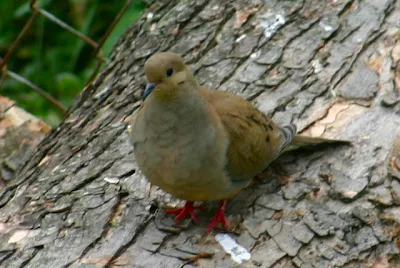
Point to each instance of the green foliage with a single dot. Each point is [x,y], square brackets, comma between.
[53,58]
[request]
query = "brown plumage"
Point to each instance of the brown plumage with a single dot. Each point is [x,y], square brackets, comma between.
[200,144]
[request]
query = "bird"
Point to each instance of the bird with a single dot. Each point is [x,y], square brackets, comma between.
[200,144]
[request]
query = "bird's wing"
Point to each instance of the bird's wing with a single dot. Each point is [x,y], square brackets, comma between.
[255,140]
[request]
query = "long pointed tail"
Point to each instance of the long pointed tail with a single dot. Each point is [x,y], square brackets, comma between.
[309,142]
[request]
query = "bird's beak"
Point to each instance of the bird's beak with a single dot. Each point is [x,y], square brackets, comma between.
[149,88]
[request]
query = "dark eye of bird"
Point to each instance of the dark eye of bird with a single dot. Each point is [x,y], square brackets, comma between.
[170,71]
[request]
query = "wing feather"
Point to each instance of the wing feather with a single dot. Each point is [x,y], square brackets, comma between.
[255,140]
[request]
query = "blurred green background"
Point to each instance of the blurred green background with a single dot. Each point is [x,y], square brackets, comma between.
[53,58]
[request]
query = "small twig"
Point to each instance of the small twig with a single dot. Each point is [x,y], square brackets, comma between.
[112,26]
[16,42]
[2,77]
[94,73]
[40,91]
[104,38]
[65,26]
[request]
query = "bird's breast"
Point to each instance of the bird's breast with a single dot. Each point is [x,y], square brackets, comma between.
[186,161]
[173,152]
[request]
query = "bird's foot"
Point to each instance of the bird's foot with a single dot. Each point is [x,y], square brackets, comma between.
[219,217]
[188,209]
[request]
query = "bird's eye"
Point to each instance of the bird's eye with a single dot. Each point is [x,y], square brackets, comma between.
[170,71]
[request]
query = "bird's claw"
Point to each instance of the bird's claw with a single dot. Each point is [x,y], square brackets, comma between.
[219,217]
[188,209]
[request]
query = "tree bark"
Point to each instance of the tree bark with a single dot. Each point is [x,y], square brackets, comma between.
[331,67]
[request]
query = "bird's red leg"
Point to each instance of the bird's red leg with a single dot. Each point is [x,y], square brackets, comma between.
[188,209]
[219,217]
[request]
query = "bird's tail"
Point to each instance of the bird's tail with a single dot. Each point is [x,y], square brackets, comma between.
[294,142]
[288,133]
[309,142]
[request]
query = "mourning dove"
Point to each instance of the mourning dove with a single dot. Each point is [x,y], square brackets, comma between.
[200,144]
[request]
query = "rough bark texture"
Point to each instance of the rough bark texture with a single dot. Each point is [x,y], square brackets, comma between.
[20,133]
[331,67]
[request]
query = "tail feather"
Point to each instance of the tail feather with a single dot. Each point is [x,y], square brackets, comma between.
[288,133]
[309,142]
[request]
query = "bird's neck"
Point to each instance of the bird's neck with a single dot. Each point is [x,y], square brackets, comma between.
[184,106]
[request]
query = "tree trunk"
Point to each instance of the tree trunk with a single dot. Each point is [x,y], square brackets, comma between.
[331,67]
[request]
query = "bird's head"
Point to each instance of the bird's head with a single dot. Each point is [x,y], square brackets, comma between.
[166,75]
